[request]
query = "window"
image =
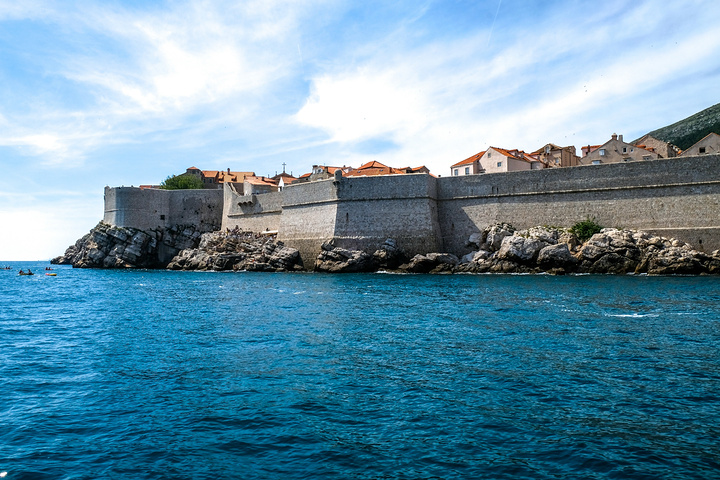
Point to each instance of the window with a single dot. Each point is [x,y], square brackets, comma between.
[627,159]
[701,150]
[646,157]
[499,164]
[624,149]
[455,172]
[602,152]
[467,170]
[596,162]
[489,154]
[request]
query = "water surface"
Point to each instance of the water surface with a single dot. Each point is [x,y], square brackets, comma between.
[159,374]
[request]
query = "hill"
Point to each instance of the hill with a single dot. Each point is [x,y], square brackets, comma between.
[688,131]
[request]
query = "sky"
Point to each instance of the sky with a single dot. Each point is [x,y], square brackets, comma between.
[128,92]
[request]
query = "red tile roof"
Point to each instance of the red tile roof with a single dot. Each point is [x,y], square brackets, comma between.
[469,160]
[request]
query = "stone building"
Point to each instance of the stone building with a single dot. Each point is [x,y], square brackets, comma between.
[710,144]
[469,166]
[616,150]
[663,149]
[552,155]
[496,160]
[253,185]
[216,178]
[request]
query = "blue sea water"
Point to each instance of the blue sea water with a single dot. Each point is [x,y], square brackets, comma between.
[159,374]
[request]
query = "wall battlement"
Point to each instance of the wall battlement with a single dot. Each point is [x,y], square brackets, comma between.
[677,197]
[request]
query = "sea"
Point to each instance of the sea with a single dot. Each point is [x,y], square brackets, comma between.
[151,374]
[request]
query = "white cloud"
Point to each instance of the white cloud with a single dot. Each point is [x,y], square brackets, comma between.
[444,101]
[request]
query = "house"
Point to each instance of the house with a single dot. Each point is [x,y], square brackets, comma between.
[253,185]
[322,172]
[496,160]
[663,149]
[709,144]
[552,155]
[616,150]
[216,178]
[469,166]
[374,168]
[284,179]
[587,149]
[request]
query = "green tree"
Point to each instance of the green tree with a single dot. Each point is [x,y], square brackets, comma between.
[181,182]
[586,229]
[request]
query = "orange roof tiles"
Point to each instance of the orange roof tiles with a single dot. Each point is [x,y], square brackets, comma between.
[469,160]
[252,180]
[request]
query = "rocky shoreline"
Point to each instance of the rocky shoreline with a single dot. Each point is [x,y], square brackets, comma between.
[498,248]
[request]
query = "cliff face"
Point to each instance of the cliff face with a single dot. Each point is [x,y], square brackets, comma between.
[179,248]
[499,248]
[108,246]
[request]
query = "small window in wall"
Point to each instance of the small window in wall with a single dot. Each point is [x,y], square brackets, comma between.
[455,172]
[499,164]
[467,170]
[489,154]
[596,162]
[646,157]
[701,150]
[627,159]
[624,149]
[602,152]
[162,217]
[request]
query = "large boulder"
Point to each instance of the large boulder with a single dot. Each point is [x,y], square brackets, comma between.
[389,255]
[556,256]
[233,250]
[334,259]
[494,236]
[520,249]
[431,263]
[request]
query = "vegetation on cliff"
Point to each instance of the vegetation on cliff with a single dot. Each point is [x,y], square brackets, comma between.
[690,130]
[586,229]
[182,182]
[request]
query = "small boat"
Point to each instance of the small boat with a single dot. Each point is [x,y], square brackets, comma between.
[26,273]
[51,274]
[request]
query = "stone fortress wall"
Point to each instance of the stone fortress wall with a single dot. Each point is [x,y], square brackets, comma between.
[677,197]
[149,209]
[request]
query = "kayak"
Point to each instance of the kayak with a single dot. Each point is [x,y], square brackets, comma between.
[51,274]
[26,273]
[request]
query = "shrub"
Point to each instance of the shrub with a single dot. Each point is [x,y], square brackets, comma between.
[181,182]
[586,229]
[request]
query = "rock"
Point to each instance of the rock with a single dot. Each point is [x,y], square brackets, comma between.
[339,260]
[556,256]
[520,249]
[108,246]
[432,262]
[238,251]
[389,256]
[475,240]
[495,234]
[676,261]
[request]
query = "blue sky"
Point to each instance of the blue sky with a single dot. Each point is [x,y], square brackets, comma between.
[129,92]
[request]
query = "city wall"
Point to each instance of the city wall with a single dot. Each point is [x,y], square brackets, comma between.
[149,209]
[678,197]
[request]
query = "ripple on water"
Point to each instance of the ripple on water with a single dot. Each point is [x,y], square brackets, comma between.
[153,374]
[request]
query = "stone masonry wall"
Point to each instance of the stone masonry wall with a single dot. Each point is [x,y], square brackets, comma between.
[678,197]
[671,197]
[147,209]
[251,213]
[402,207]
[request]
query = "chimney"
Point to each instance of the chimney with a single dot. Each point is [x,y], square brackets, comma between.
[614,136]
[620,138]
[228,170]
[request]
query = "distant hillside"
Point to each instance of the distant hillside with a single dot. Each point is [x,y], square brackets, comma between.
[688,131]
